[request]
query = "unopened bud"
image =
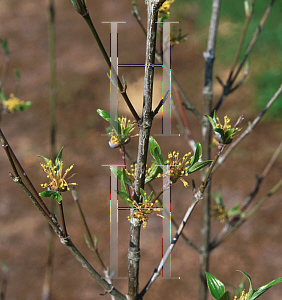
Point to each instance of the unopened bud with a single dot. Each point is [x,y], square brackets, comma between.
[80,6]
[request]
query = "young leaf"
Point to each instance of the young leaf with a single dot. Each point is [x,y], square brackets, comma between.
[45,159]
[217,197]
[153,172]
[104,114]
[216,287]
[125,198]
[225,296]
[123,188]
[197,155]
[158,156]
[25,106]
[212,120]
[142,192]
[250,293]
[87,242]
[125,178]
[197,166]
[150,196]
[47,194]
[107,117]
[264,288]
[118,173]
[51,194]
[59,158]
[155,150]
[95,241]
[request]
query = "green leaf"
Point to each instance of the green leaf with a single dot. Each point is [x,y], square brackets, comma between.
[123,188]
[153,172]
[142,192]
[26,105]
[126,130]
[150,196]
[158,156]
[51,194]
[45,159]
[118,173]
[4,44]
[2,96]
[197,166]
[59,158]
[104,114]
[250,292]
[87,242]
[107,117]
[225,296]
[125,198]
[217,197]
[228,134]
[125,178]
[95,241]
[155,151]
[264,288]
[220,131]
[197,155]
[212,120]
[235,210]
[17,73]
[216,287]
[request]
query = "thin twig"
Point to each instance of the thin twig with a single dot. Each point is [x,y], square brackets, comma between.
[56,227]
[92,245]
[109,288]
[144,134]
[88,20]
[249,129]
[228,87]
[209,57]
[157,271]
[63,218]
[196,198]
[47,283]
[242,220]
[229,226]
[19,172]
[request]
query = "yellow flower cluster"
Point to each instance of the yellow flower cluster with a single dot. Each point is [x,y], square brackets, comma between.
[219,213]
[244,296]
[118,140]
[58,181]
[166,7]
[227,126]
[143,211]
[177,166]
[13,103]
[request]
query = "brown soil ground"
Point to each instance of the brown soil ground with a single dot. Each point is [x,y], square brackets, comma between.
[83,87]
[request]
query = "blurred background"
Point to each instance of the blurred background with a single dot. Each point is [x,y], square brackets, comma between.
[83,87]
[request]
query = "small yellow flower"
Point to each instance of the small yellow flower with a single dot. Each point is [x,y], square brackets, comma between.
[124,137]
[244,296]
[58,181]
[13,103]
[166,7]
[143,211]
[226,127]
[219,213]
[178,166]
